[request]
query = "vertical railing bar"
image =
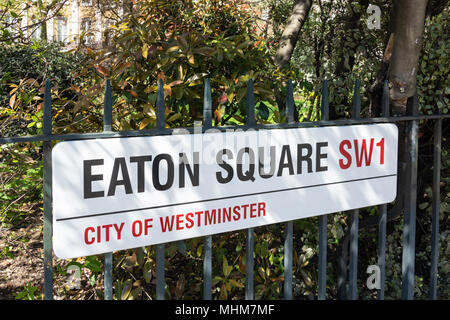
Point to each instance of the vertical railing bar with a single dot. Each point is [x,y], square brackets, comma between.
[207,260]
[324,106]
[160,272]
[47,197]
[288,250]
[385,100]
[108,257]
[107,108]
[435,208]
[290,102]
[323,219]
[356,112]
[207,105]
[353,269]
[160,107]
[342,270]
[160,248]
[382,210]
[250,245]
[108,269]
[382,219]
[250,118]
[249,265]
[207,268]
[409,227]
[288,241]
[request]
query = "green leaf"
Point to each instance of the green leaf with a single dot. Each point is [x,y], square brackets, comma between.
[147,272]
[127,286]
[191,59]
[118,291]
[135,293]
[263,110]
[92,280]
[216,280]
[140,254]
[423,205]
[226,269]
[173,49]
[93,264]
[262,273]
[174,117]
[236,283]
[144,123]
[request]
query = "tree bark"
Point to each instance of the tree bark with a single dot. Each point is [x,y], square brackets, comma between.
[409,26]
[376,89]
[291,31]
[288,41]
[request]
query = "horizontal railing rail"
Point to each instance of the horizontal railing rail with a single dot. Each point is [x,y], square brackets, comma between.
[191,130]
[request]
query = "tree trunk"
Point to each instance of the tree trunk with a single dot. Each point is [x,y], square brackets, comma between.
[409,26]
[291,31]
[434,7]
[376,89]
[288,41]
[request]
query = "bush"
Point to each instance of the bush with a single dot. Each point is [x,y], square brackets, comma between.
[183,43]
[23,70]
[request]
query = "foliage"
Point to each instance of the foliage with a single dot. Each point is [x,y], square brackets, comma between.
[433,79]
[28,292]
[336,44]
[20,183]
[183,43]
[23,70]
[14,28]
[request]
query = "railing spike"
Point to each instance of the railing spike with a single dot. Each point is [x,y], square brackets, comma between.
[324,106]
[250,121]
[107,108]
[290,102]
[207,105]
[160,107]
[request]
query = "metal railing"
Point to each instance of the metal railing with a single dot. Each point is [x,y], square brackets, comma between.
[411,120]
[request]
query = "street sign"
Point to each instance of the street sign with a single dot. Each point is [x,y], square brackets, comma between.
[119,193]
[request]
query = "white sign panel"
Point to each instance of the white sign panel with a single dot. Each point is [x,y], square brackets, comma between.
[120,193]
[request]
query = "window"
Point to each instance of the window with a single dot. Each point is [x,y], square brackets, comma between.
[86,28]
[86,3]
[265,14]
[36,30]
[61,29]
[107,31]
[11,25]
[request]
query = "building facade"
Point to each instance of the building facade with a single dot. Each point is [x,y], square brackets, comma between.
[72,21]
[89,21]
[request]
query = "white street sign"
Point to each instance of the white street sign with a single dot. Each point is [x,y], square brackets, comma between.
[120,193]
